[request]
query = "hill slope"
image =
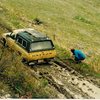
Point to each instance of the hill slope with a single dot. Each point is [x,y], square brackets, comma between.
[73,23]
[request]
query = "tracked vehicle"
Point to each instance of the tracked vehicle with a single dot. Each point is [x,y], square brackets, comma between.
[33,46]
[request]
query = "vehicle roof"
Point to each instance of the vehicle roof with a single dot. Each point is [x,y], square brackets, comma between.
[32,35]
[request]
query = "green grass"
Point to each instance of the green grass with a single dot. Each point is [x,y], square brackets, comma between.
[17,79]
[86,69]
[75,24]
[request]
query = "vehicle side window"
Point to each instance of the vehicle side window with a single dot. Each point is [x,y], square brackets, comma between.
[19,40]
[24,43]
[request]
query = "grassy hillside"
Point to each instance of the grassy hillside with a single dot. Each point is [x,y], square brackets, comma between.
[74,23]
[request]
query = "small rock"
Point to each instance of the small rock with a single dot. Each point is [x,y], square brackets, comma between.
[84,84]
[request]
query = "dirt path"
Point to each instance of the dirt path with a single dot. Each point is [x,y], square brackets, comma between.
[68,83]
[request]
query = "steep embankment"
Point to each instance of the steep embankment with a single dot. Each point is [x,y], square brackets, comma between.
[73,23]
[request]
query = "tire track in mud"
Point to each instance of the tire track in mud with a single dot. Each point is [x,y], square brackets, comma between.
[67,81]
[63,87]
[59,87]
[82,83]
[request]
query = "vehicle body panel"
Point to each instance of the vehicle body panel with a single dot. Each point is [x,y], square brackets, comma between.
[29,56]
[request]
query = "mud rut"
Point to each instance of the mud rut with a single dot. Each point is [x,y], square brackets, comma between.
[68,82]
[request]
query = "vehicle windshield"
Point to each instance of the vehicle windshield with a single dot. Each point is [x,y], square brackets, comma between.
[44,45]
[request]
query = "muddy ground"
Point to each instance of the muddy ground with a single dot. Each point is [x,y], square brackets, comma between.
[69,84]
